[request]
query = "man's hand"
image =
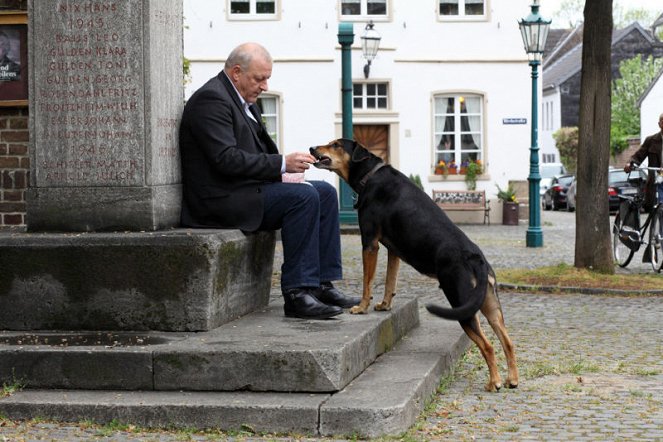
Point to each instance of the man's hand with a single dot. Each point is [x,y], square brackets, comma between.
[628,167]
[298,162]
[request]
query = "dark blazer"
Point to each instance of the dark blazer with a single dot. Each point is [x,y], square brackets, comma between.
[651,149]
[226,158]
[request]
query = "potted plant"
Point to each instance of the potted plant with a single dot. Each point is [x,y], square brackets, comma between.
[441,168]
[509,205]
[472,171]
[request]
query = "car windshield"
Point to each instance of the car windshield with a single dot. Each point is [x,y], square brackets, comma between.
[565,180]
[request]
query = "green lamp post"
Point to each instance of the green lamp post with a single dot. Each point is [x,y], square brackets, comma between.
[347,213]
[534,30]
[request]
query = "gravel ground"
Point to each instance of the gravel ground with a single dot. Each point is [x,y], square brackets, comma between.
[591,366]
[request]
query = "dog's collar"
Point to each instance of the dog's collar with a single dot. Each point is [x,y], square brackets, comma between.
[365,178]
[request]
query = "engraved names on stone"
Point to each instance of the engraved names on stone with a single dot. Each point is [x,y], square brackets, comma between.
[89,94]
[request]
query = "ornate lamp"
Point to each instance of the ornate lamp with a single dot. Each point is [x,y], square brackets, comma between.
[370,42]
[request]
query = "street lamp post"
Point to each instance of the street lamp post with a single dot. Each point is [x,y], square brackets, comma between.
[534,30]
[370,43]
[346,36]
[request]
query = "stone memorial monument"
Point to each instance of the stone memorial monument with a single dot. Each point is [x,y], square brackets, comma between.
[106,95]
[102,250]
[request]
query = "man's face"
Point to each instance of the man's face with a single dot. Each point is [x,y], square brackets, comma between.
[252,82]
[660,123]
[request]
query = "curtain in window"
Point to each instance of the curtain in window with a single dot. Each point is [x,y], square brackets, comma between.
[470,125]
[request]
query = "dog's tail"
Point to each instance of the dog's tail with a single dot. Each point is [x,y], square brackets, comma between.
[477,266]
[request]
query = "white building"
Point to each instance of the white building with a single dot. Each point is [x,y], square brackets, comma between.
[651,107]
[452,70]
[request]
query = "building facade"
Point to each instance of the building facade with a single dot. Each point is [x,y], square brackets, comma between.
[450,82]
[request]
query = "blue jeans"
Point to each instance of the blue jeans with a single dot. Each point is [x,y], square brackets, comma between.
[308,218]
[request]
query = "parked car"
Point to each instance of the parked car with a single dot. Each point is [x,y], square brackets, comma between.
[555,196]
[619,183]
[548,171]
[571,196]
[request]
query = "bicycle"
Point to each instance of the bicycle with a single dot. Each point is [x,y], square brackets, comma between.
[629,235]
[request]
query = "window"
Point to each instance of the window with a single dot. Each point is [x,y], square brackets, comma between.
[458,133]
[363,7]
[461,8]
[370,95]
[269,108]
[252,8]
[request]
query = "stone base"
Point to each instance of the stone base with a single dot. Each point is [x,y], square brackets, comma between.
[174,280]
[103,209]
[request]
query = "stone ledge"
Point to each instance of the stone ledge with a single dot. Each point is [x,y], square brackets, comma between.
[171,280]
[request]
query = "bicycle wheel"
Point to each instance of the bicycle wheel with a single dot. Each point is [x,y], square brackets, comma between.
[621,252]
[656,239]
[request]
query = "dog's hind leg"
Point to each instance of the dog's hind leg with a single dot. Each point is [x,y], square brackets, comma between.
[492,310]
[472,328]
[393,264]
[369,256]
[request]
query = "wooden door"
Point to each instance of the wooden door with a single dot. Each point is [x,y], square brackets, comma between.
[375,137]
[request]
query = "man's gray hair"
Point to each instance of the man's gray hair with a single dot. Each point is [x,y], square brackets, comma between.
[243,54]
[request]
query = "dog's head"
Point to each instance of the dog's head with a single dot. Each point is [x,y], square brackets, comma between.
[339,156]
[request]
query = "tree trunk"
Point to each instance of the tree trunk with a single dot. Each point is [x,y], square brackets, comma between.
[593,242]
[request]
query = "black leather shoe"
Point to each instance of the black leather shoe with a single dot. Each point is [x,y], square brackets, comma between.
[301,303]
[330,295]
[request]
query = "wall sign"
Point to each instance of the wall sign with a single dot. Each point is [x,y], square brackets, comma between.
[514,120]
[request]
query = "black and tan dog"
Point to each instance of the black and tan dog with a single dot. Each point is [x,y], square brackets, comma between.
[395,212]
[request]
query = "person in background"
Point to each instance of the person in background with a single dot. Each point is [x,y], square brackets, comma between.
[650,150]
[234,177]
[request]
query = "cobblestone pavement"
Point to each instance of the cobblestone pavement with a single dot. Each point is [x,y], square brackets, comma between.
[591,366]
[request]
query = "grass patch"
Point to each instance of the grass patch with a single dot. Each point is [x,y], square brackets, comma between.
[564,275]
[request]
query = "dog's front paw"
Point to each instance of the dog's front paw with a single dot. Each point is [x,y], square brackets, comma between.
[382,307]
[493,387]
[358,310]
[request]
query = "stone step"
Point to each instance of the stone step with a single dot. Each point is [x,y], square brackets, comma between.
[383,400]
[262,351]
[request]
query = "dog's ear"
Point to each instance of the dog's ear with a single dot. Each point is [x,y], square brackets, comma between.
[359,153]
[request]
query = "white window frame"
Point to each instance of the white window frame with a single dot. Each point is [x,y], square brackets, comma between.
[364,15]
[253,15]
[274,129]
[458,155]
[461,16]
[364,95]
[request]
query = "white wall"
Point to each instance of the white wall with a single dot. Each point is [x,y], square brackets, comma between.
[650,109]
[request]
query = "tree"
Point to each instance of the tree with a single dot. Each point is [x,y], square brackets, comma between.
[570,13]
[566,141]
[636,75]
[593,246]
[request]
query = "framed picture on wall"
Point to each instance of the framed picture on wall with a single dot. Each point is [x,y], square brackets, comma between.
[13,59]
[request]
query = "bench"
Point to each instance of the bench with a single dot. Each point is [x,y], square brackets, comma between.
[463,200]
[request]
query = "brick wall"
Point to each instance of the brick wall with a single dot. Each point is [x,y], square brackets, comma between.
[14,158]
[621,159]
[14,167]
